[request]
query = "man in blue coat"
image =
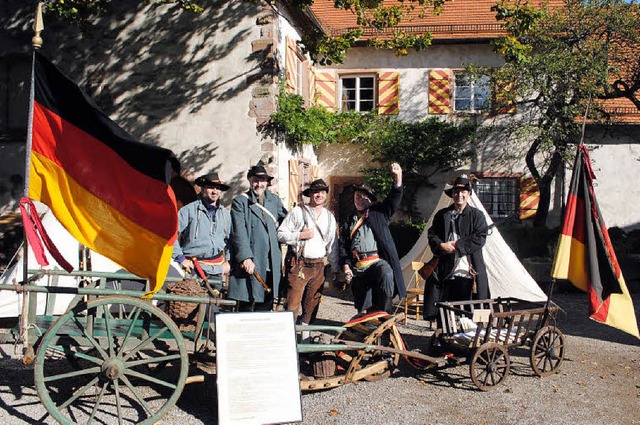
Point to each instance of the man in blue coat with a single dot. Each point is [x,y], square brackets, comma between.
[204,227]
[255,217]
[368,254]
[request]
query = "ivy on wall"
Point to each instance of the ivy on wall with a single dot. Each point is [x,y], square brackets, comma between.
[422,148]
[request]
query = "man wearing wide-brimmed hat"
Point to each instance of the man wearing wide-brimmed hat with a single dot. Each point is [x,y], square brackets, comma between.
[456,238]
[367,252]
[310,232]
[204,227]
[256,215]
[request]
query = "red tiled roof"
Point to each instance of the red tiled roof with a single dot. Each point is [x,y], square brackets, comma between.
[460,19]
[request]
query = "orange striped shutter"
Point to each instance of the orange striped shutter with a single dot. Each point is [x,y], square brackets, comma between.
[388,93]
[315,172]
[312,82]
[295,180]
[502,104]
[439,91]
[326,89]
[291,59]
[529,198]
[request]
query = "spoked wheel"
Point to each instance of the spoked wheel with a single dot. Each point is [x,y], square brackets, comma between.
[95,366]
[489,366]
[547,351]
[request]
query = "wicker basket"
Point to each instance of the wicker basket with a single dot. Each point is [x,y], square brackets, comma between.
[185,314]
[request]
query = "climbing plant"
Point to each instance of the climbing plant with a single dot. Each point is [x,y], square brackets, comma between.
[422,148]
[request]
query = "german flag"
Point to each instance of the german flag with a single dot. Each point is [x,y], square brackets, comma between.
[585,255]
[108,190]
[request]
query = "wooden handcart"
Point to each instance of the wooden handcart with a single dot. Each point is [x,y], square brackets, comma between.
[482,332]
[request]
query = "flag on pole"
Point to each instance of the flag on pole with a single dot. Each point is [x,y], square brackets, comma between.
[585,255]
[108,190]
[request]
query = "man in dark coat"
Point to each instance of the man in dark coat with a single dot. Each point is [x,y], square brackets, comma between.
[456,238]
[368,255]
[255,217]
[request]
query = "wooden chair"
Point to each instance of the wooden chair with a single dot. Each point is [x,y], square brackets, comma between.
[415,292]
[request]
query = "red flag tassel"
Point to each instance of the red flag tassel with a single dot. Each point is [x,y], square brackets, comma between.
[37,235]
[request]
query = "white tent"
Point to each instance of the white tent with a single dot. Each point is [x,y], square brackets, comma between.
[69,247]
[507,276]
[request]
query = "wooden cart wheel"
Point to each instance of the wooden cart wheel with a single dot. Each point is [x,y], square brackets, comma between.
[94,367]
[383,335]
[489,366]
[547,351]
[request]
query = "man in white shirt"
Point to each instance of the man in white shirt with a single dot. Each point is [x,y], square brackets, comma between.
[309,230]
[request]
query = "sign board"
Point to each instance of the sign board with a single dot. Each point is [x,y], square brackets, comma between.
[257,368]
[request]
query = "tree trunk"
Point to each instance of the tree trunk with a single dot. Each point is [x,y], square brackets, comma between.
[544,181]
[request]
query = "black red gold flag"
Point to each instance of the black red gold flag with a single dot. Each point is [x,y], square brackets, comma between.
[585,255]
[110,191]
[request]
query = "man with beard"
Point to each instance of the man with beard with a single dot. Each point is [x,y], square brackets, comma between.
[204,227]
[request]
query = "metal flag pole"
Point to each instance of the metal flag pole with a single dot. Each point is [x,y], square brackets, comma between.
[29,304]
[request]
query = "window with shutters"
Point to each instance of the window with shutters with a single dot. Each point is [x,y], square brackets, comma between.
[357,93]
[499,195]
[471,94]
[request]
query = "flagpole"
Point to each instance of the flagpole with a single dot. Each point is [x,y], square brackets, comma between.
[27,308]
[584,122]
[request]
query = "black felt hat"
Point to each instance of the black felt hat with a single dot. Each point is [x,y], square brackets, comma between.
[258,170]
[365,188]
[461,183]
[316,186]
[211,180]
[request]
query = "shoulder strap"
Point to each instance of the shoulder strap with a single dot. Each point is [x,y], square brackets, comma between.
[305,213]
[257,204]
[358,224]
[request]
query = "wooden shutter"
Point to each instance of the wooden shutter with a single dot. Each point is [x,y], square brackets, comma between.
[315,173]
[325,89]
[291,62]
[295,181]
[503,101]
[529,198]
[388,93]
[311,73]
[440,91]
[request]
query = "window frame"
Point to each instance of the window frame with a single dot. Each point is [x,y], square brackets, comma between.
[500,196]
[473,109]
[358,100]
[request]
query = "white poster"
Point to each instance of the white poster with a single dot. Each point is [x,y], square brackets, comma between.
[257,368]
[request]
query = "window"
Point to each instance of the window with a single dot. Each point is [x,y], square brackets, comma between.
[471,95]
[357,93]
[499,196]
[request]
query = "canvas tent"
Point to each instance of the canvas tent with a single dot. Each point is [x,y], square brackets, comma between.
[507,276]
[55,304]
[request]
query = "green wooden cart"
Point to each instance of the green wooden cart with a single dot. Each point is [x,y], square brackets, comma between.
[114,357]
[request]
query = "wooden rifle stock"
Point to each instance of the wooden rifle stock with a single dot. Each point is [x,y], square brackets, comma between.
[262,282]
[428,268]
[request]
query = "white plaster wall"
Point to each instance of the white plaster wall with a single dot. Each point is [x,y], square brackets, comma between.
[616,164]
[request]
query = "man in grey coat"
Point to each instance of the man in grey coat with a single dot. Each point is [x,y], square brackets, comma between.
[255,216]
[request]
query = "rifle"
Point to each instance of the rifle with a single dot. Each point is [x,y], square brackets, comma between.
[428,268]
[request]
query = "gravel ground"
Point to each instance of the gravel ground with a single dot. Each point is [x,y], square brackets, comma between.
[598,383]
